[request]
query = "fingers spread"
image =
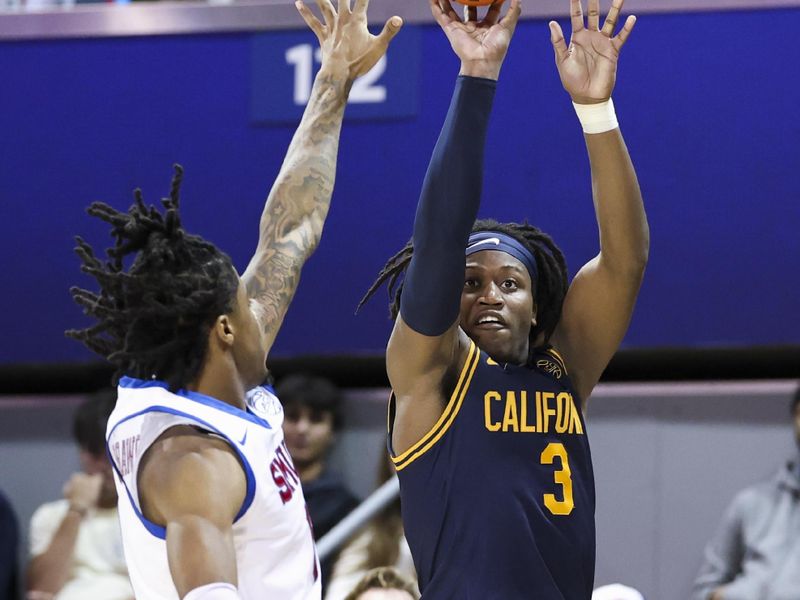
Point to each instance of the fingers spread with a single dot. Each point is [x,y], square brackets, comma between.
[611,18]
[593,15]
[512,16]
[328,13]
[390,30]
[449,11]
[623,34]
[559,44]
[360,6]
[343,7]
[443,14]
[576,15]
[310,19]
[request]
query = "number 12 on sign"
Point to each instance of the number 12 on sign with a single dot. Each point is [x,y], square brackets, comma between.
[365,89]
[283,65]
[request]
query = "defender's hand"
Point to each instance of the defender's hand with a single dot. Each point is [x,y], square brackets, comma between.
[588,67]
[83,491]
[481,45]
[347,45]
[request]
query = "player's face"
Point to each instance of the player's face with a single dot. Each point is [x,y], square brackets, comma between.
[93,464]
[249,346]
[497,305]
[308,433]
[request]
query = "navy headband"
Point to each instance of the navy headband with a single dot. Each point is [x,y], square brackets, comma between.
[495,240]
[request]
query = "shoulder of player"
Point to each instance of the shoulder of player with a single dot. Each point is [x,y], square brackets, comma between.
[438,382]
[429,405]
[188,471]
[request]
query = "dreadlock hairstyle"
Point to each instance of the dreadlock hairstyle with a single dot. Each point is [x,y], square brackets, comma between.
[549,289]
[153,319]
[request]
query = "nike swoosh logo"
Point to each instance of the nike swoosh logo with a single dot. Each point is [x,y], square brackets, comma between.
[244,438]
[495,241]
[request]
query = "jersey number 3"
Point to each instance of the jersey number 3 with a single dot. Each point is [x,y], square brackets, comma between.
[562,476]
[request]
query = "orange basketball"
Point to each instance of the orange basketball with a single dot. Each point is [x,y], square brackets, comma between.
[479,2]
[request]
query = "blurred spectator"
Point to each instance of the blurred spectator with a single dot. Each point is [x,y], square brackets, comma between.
[312,417]
[75,543]
[756,551]
[384,583]
[381,544]
[9,541]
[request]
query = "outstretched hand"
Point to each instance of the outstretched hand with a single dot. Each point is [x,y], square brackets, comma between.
[346,43]
[481,45]
[588,67]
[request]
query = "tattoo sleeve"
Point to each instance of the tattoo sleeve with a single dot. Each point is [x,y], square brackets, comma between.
[297,205]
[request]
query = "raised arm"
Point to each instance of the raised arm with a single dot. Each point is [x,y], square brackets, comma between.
[297,205]
[600,300]
[426,341]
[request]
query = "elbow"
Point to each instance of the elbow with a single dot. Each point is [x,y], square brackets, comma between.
[643,250]
[628,261]
[640,256]
[637,253]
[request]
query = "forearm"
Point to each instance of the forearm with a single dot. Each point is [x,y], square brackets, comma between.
[624,232]
[301,194]
[295,212]
[447,209]
[49,571]
[200,553]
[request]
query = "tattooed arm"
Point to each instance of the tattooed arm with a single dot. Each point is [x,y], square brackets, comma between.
[292,221]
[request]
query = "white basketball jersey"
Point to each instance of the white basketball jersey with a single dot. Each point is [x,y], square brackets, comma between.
[275,554]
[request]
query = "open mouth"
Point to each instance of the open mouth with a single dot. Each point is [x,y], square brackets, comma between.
[490,322]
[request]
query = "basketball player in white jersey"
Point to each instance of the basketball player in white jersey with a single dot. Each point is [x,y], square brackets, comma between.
[210,504]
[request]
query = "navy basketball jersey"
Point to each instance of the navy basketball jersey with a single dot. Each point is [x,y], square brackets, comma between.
[498,497]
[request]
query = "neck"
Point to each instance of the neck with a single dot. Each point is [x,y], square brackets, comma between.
[310,471]
[221,382]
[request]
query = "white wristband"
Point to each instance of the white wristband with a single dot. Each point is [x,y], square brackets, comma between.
[597,118]
[214,591]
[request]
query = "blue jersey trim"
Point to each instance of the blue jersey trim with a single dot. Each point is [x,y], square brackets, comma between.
[157,530]
[133,383]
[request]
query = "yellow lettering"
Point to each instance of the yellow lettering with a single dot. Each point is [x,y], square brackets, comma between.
[562,477]
[564,405]
[538,411]
[575,419]
[548,412]
[524,413]
[487,410]
[510,416]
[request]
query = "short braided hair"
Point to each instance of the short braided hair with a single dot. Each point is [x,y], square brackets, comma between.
[152,321]
[550,287]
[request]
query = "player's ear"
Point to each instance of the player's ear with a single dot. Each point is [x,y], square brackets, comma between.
[533,316]
[224,330]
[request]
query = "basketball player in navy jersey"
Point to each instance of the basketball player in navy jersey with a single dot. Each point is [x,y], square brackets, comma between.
[491,369]
[210,504]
